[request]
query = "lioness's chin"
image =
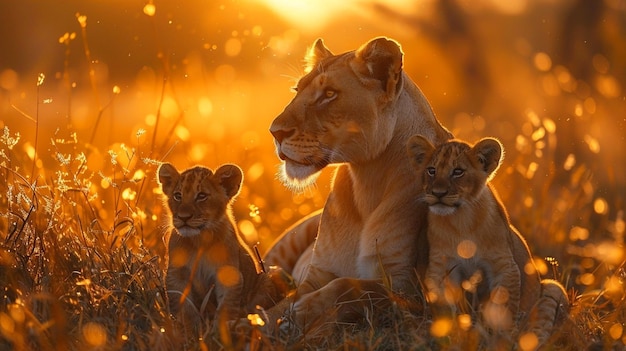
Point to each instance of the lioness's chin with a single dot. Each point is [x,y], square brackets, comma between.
[442,210]
[298,176]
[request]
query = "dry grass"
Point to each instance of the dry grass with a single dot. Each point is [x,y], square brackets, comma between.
[80,269]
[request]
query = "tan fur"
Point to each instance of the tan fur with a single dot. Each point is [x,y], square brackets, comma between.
[474,250]
[356,110]
[211,271]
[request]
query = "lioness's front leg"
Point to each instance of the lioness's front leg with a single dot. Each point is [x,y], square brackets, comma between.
[343,300]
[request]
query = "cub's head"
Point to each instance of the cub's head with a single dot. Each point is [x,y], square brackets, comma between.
[197,197]
[341,111]
[453,174]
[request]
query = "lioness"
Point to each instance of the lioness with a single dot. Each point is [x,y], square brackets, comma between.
[356,110]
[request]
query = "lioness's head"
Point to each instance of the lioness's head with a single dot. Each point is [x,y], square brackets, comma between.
[453,174]
[341,112]
[197,197]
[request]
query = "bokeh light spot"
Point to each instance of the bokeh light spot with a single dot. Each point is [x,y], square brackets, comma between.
[205,106]
[94,334]
[587,279]
[150,119]
[570,162]
[7,324]
[8,79]
[528,341]
[255,171]
[247,229]
[465,321]
[232,47]
[441,327]
[616,331]
[600,206]
[608,86]
[256,320]
[593,143]
[578,233]
[182,133]
[228,275]
[149,9]
[466,249]
[542,61]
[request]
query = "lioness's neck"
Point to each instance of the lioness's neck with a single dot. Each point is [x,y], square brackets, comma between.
[391,168]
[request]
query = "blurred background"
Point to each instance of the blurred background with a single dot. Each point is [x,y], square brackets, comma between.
[111,87]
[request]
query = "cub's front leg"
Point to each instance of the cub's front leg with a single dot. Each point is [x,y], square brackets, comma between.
[505,291]
[229,291]
[435,280]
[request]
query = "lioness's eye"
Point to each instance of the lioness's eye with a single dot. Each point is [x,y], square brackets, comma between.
[177,196]
[457,172]
[330,93]
[201,197]
[430,171]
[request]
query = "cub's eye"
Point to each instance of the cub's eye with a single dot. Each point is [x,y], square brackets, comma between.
[430,171]
[201,196]
[457,172]
[177,196]
[330,93]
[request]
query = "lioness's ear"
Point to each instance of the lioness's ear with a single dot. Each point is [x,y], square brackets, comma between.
[315,54]
[418,148]
[488,151]
[381,59]
[167,177]
[230,177]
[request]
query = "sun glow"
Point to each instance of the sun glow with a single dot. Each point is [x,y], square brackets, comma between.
[312,15]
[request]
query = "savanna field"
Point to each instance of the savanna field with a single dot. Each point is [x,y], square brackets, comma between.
[94,95]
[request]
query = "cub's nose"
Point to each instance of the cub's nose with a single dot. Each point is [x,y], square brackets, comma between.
[281,134]
[184,216]
[439,192]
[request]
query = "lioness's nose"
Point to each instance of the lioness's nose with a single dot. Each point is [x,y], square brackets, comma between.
[281,134]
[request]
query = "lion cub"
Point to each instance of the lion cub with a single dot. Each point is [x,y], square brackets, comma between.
[474,250]
[210,269]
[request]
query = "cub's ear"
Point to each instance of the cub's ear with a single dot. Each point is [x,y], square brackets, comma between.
[381,59]
[167,177]
[418,148]
[489,152]
[315,54]
[231,178]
